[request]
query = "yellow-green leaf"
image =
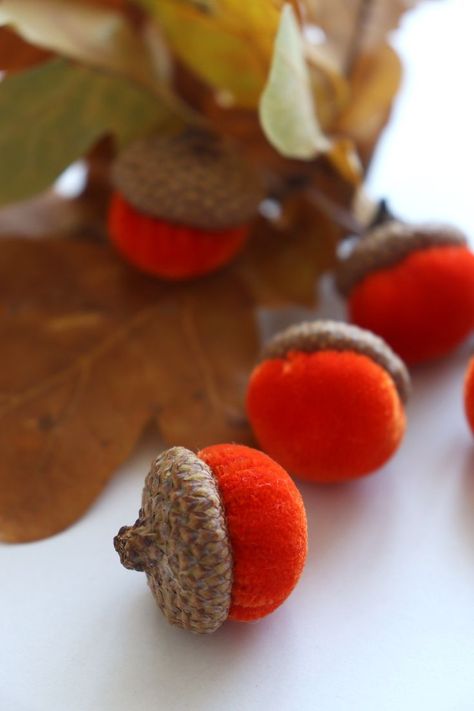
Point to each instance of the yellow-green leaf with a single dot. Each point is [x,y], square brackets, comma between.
[227,43]
[287,110]
[52,114]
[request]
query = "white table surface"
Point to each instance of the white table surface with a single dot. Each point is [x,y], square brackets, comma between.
[383,618]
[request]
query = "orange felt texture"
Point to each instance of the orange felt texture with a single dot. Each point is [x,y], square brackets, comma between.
[423,306]
[469,394]
[266,522]
[166,250]
[326,416]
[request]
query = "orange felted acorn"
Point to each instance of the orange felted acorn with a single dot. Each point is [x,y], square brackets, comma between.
[326,401]
[183,204]
[220,535]
[414,286]
[469,394]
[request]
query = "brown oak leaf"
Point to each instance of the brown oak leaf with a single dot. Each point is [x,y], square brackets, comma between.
[354,27]
[92,351]
[16,54]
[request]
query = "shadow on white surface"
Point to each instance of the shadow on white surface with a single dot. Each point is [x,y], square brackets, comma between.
[155,665]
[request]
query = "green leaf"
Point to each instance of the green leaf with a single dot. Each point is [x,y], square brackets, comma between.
[98,37]
[287,110]
[51,115]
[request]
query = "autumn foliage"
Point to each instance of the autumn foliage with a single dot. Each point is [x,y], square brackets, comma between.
[94,351]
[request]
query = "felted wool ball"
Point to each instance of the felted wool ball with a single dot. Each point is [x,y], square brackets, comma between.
[326,401]
[220,535]
[182,205]
[469,394]
[412,286]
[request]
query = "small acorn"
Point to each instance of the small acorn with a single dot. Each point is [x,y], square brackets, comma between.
[414,286]
[183,203]
[326,401]
[469,394]
[220,535]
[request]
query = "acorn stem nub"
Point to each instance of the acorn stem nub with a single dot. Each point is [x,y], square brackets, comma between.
[132,543]
[383,214]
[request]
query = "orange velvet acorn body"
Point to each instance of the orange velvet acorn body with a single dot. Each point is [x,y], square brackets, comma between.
[412,286]
[469,394]
[266,522]
[326,401]
[221,535]
[170,251]
[182,205]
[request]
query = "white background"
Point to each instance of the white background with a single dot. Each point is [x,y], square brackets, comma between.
[383,619]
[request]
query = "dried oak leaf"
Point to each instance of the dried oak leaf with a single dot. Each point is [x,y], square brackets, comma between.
[47,212]
[92,351]
[16,54]
[285,256]
[375,80]
[96,35]
[353,27]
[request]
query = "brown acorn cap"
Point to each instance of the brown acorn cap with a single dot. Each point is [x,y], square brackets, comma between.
[180,540]
[389,244]
[315,336]
[193,178]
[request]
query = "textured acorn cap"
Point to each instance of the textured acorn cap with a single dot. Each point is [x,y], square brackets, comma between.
[193,178]
[389,244]
[315,336]
[180,540]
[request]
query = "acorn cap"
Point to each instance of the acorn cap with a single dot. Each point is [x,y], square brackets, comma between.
[194,178]
[180,540]
[337,336]
[389,244]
